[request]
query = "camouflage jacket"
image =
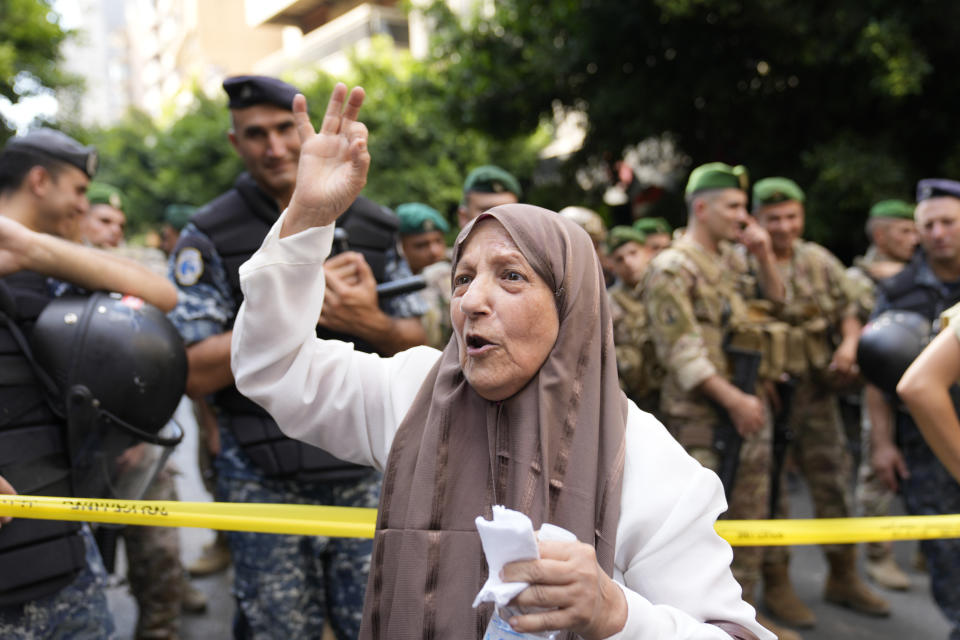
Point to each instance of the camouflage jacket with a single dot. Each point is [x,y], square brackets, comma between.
[692,297]
[866,271]
[640,372]
[436,319]
[819,295]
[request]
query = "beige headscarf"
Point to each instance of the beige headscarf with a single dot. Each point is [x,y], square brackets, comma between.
[554,451]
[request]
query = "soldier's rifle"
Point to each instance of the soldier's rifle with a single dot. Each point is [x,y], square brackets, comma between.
[744,365]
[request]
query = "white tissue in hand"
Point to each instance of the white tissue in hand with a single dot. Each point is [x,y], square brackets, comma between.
[509,538]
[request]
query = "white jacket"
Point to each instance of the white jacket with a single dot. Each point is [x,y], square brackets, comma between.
[672,566]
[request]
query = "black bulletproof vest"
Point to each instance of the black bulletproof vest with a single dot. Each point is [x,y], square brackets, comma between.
[915,289]
[907,291]
[37,557]
[236,223]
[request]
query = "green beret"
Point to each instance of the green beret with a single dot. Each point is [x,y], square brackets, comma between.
[650,226]
[892,209]
[775,191]
[621,235]
[103,193]
[491,179]
[416,217]
[717,175]
[178,215]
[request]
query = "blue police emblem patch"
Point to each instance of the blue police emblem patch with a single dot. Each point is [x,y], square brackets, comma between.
[189,266]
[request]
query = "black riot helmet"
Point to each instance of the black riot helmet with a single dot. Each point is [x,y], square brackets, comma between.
[889,344]
[119,368]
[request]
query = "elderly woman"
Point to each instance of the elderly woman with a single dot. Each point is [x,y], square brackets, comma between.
[522,408]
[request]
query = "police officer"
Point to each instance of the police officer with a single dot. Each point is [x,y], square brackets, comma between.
[486,187]
[637,365]
[929,284]
[52,580]
[286,586]
[893,239]
[819,304]
[694,294]
[423,244]
[657,231]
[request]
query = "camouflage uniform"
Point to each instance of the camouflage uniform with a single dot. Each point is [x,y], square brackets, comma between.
[693,298]
[640,372]
[79,611]
[436,320]
[153,567]
[286,586]
[818,297]
[873,496]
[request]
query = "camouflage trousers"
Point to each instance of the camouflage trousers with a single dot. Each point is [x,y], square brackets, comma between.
[819,448]
[77,612]
[154,569]
[873,496]
[287,586]
[750,499]
[931,490]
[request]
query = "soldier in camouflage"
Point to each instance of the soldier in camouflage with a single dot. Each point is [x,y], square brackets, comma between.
[658,234]
[893,240]
[423,244]
[694,295]
[637,364]
[591,222]
[819,305]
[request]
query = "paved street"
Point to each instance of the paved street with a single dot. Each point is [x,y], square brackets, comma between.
[914,614]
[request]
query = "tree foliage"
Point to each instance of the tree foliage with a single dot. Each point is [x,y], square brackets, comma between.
[30,39]
[855,99]
[419,153]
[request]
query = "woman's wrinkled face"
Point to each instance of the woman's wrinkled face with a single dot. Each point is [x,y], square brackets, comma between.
[504,315]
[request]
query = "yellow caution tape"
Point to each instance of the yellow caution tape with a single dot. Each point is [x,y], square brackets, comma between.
[343,522]
[351,522]
[740,533]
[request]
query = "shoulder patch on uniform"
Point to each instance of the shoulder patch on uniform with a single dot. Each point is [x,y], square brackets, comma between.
[189,266]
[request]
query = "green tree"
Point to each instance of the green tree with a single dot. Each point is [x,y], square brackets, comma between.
[30,39]
[420,151]
[188,162]
[854,99]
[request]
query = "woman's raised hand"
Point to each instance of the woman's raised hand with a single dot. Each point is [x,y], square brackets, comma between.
[333,161]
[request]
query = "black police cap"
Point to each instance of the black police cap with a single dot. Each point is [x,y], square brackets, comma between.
[937,187]
[247,91]
[59,146]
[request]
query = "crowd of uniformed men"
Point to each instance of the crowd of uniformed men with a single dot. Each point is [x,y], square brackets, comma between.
[739,334]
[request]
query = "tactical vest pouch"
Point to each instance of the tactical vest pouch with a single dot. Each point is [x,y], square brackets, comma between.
[775,354]
[278,456]
[769,339]
[34,567]
[796,363]
[817,343]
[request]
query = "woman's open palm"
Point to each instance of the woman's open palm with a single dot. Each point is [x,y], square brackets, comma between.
[333,161]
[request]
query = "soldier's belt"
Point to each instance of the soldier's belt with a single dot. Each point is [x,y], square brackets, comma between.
[353,522]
